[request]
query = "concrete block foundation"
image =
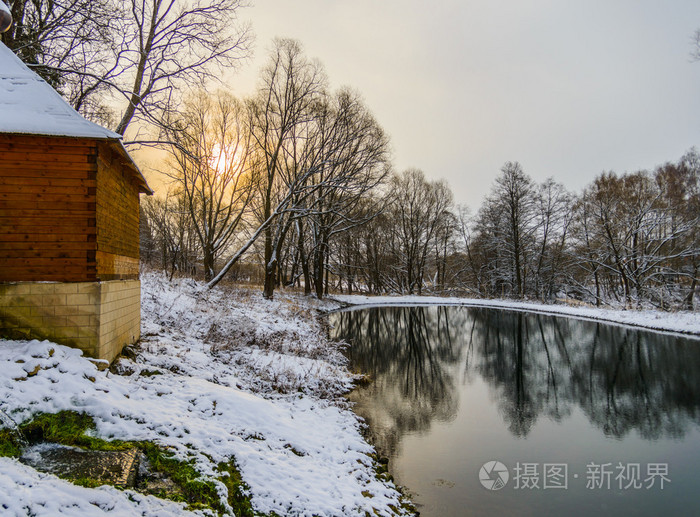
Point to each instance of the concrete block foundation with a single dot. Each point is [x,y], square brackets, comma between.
[99,318]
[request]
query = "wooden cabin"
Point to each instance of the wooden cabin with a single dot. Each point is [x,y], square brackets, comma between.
[69,221]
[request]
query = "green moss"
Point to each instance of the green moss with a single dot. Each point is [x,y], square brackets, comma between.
[9,444]
[191,488]
[238,490]
[87,482]
[188,485]
[69,428]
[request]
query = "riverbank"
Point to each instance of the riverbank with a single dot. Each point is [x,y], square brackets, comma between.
[683,322]
[218,376]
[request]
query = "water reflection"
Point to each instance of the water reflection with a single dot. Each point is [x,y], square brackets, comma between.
[404,351]
[537,366]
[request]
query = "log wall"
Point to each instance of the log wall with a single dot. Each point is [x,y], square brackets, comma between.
[117,218]
[48,226]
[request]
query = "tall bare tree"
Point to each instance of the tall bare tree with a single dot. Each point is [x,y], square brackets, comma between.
[553,218]
[291,86]
[278,119]
[349,159]
[507,221]
[418,208]
[210,163]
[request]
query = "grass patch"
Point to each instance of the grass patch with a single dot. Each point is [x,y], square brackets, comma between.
[238,490]
[9,444]
[87,482]
[176,480]
[189,487]
[69,428]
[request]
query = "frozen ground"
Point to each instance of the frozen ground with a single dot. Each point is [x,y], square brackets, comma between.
[238,377]
[683,321]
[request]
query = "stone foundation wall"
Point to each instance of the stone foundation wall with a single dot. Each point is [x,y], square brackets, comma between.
[99,318]
[120,316]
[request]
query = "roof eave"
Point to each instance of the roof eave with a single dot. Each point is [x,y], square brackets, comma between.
[118,146]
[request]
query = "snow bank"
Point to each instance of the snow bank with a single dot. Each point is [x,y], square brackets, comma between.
[235,377]
[685,322]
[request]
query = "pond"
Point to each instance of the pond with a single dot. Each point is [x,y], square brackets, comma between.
[496,412]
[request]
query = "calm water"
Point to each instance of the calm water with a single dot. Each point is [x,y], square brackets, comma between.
[594,412]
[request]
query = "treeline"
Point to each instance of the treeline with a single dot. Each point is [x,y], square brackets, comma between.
[626,240]
[293,187]
[629,239]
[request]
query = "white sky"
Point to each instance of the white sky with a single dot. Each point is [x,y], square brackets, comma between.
[566,88]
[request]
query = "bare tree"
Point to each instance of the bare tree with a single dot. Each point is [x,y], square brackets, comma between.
[168,238]
[507,221]
[685,199]
[553,216]
[291,85]
[584,248]
[71,44]
[141,52]
[278,119]
[349,158]
[418,208]
[469,271]
[210,164]
[676,237]
[362,254]
[175,43]
[637,235]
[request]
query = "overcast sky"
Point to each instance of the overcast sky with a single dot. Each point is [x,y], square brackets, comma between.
[567,88]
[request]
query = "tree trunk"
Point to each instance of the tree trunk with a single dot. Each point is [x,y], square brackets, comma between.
[319,266]
[688,302]
[303,260]
[269,285]
[208,262]
[269,264]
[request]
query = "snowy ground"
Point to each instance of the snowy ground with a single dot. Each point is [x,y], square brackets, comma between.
[239,377]
[683,321]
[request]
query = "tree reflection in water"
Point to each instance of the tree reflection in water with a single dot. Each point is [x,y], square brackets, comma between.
[406,352]
[621,378]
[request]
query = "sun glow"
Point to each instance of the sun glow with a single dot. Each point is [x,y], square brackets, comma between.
[226,160]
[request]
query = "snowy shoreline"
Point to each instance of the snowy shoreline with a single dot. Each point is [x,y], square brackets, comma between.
[683,322]
[218,375]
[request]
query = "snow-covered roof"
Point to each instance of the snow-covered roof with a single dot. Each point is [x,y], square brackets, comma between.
[29,105]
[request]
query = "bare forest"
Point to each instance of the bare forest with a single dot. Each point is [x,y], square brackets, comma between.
[308,200]
[293,186]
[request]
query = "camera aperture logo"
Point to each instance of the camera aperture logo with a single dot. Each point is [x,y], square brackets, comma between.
[493,475]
